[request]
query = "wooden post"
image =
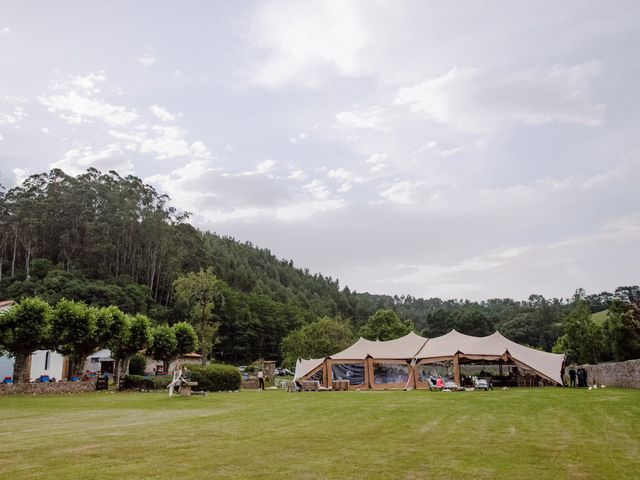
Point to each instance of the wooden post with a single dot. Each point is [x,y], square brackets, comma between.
[325,374]
[368,373]
[456,369]
[413,370]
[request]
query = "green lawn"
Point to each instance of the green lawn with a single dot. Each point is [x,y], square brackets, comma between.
[514,434]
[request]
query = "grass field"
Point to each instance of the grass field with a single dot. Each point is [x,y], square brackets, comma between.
[514,434]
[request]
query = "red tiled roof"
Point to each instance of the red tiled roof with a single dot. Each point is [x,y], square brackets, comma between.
[6,303]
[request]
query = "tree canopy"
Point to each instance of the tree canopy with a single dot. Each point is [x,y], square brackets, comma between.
[317,339]
[385,325]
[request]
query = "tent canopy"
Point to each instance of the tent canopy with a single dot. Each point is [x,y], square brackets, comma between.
[399,349]
[305,367]
[413,347]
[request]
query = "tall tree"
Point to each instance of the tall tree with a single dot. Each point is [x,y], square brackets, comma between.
[200,292]
[582,338]
[385,325]
[317,339]
[621,331]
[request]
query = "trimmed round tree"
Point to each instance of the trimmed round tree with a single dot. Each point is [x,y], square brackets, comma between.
[24,328]
[186,338]
[163,345]
[75,332]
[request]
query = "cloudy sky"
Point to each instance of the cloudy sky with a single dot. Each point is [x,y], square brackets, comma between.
[467,150]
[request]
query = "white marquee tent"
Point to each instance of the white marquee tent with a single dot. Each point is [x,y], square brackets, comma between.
[406,362]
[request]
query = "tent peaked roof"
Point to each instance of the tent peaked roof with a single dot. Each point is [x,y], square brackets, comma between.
[548,364]
[493,346]
[415,347]
[304,367]
[400,348]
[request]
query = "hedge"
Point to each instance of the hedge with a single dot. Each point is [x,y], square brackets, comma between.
[147,383]
[215,377]
[137,365]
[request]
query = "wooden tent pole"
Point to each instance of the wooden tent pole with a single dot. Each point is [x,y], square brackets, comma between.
[368,372]
[456,369]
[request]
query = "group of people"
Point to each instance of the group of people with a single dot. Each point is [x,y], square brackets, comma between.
[579,375]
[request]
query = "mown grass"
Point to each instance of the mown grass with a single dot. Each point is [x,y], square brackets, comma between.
[514,434]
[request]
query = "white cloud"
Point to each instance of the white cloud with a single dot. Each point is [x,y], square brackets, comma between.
[478,101]
[377,157]
[89,81]
[345,177]
[426,147]
[307,41]
[403,192]
[84,106]
[20,175]
[170,142]
[147,60]
[165,142]
[83,156]
[219,196]
[5,30]
[452,151]
[261,168]
[373,118]
[161,113]
[13,118]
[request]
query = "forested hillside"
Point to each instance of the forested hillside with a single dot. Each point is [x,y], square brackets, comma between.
[111,240]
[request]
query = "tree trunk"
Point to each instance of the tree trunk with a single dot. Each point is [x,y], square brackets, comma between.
[116,371]
[28,260]
[18,368]
[15,250]
[125,367]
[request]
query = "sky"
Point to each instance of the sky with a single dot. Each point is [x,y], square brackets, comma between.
[453,149]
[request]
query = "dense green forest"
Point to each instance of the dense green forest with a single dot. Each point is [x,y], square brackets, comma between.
[109,240]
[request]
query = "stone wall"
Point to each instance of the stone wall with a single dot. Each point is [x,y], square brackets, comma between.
[47,388]
[615,374]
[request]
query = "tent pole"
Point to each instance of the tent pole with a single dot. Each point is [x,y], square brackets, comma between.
[456,369]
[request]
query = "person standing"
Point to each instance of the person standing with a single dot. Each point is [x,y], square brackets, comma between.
[260,380]
[581,377]
[572,376]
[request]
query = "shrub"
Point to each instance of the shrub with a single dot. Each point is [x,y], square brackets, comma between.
[216,377]
[146,383]
[137,365]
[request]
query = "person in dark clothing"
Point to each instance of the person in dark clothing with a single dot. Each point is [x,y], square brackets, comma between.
[572,377]
[582,377]
[260,380]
